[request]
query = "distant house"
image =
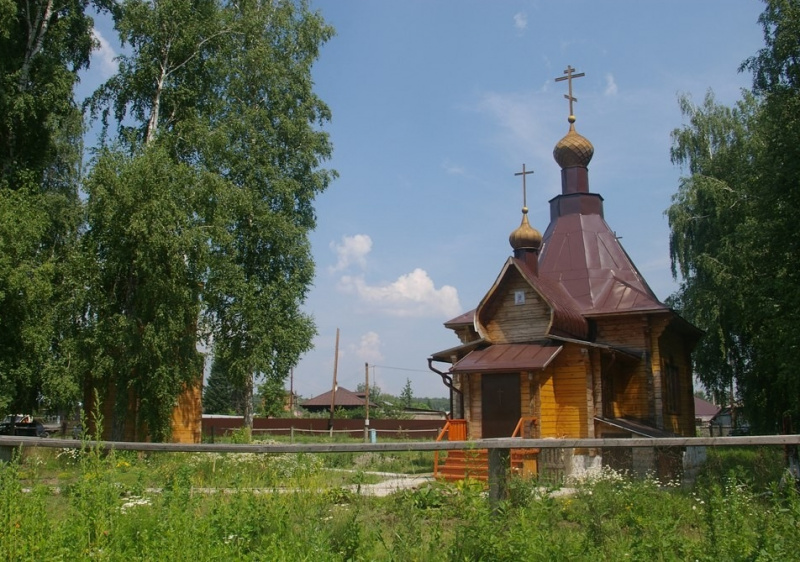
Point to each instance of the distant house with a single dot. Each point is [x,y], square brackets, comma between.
[423,414]
[344,399]
[705,415]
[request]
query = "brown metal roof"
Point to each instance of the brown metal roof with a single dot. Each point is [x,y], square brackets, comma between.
[344,397]
[581,253]
[704,409]
[467,318]
[459,351]
[507,357]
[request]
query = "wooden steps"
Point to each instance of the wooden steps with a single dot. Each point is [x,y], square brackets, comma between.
[474,464]
[463,464]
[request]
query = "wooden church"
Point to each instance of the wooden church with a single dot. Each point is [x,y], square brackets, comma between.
[185,422]
[570,341]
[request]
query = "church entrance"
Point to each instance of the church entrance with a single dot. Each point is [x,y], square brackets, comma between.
[500,404]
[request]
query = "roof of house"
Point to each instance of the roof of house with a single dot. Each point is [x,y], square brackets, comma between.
[344,398]
[582,254]
[507,357]
[705,410]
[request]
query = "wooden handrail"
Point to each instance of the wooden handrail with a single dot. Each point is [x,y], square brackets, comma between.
[522,420]
[456,430]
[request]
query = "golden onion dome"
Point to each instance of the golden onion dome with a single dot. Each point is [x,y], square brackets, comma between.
[525,236]
[573,150]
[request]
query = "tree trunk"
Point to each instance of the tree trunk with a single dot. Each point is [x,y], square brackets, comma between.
[248,402]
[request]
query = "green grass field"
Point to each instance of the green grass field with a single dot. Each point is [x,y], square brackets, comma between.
[86,505]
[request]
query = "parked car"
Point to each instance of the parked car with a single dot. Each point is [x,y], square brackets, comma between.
[22,425]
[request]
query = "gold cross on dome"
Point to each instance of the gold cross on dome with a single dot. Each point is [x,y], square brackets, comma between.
[569,76]
[524,173]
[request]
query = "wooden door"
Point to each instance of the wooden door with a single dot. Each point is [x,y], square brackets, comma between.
[500,404]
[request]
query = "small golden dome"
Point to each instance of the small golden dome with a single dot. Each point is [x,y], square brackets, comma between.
[525,236]
[573,150]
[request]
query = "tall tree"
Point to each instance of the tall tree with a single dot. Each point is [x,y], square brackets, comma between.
[734,237]
[710,232]
[776,79]
[220,395]
[220,95]
[407,395]
[147,248]
[261,137]
[43,46]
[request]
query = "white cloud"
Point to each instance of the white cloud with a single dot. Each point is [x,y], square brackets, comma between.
[611,85]
[453,169]
[521,20]
[104,55]
[412,294]
[369,348]
[521,129]
[352,250]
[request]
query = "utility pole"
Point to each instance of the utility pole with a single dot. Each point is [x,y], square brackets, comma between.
[366,402]
[333,391]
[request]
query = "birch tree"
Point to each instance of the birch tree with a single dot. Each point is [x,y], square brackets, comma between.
[220,95]
[43,46]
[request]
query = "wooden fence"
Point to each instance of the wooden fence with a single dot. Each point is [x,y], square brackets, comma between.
[499,449]
[217,426]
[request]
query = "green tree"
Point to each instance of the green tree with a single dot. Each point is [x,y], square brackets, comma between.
[220,395]
[145,278]
[261,138]
[216,97]
[710,221]
[733,230]
[43,46]
[407,395]
[271,398]
[775,301]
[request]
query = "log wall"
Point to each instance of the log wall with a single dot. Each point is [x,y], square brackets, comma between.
[505,321]
[563,390]
[185,423]
[631,380]
[673,347]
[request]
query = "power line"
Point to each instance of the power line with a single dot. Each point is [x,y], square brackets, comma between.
[400,369]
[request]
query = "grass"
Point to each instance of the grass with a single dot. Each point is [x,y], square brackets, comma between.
[108,508]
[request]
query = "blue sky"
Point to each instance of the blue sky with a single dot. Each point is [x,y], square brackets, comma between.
[436,104]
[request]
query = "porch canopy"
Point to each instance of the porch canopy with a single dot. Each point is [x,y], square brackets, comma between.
[507,357]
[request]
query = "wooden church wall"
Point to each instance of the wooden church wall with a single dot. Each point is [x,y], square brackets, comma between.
[564,406]
[474,399]
[565,391]
[631,392]
[678,414]
[187,417]
[186,421]
[506,321]
[630,382]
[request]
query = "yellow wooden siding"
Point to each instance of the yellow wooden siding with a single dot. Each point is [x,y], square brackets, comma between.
[187,417]
[563,409]
[673,347]
[631,386]
[625,332]
[508,322]
[475,408]
[186,421]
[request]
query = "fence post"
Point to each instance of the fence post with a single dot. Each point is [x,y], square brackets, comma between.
[499,460]
[291,434]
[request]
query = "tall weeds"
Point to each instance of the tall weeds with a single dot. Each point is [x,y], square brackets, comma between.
[120,506]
